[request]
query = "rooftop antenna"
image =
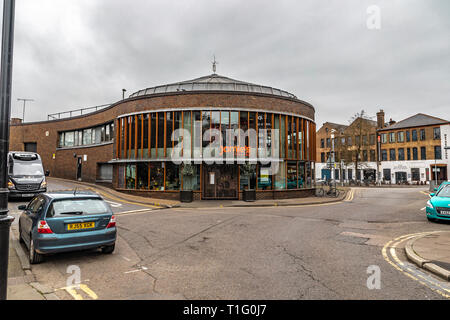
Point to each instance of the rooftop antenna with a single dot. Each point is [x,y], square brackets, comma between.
[215,63]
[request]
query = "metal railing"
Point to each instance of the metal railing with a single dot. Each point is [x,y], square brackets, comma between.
[76,112]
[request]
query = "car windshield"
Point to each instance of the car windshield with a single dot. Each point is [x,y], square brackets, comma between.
[77,207]
[28,169]
[444,192]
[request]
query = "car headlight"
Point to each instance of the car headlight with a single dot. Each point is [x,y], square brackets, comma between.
[44,184]
[429,204]
[11,185]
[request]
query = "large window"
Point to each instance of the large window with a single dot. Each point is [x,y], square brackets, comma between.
[130,176]
[423,153]
[191,177]
[422,135]
[392,155]
[156,176]
[436,133]
[437,152]
[264,177]
[292,175]
[86,137]
[142,176]
[401,154]
[415,154]
[414,135]
[173,181]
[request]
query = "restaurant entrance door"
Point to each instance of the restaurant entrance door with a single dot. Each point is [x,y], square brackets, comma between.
[220,182]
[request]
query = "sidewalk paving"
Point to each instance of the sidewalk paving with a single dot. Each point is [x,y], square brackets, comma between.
[431,252]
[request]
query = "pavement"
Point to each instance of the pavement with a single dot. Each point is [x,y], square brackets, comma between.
[431,252]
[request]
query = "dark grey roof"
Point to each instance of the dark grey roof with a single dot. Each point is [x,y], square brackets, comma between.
[417,120]
[213,82]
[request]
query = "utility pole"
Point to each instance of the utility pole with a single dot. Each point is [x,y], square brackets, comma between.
[24,103]
[5,115]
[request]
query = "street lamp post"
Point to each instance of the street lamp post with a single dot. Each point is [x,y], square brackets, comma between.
[333,172]
[5,114]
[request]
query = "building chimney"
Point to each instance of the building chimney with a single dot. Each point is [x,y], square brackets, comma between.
[391,122]
[380,119]
[16,121]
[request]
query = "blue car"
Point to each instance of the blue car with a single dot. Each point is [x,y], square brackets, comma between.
[66,221]
[438,207]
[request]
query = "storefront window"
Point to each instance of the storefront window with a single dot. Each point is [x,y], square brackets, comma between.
[145,139]
[248,177]
[206,125]
[173,180]
[191,177]
[156,176]
[308,175]
[197,134]
[142,176]
[161,135]
[292,175]
[153,124]
[283,137]
[139,135]
[301,175]
[169,130]
[132,137]
[130,176]
[280,177]
[264,178]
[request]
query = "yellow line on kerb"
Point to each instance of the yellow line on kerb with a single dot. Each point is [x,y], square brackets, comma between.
[71,290]
[107,195]
[393,245]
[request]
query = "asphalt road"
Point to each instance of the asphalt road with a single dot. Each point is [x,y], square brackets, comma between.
[307,252]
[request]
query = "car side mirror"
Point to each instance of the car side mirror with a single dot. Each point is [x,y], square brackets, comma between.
[22,207]
[435,189]
[432,194]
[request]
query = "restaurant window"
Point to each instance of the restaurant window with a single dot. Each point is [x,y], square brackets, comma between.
[142,176]
[264,177]
[156,176]
[173,181]
[280,176]
[423,153]
[153,133]
[301,175]
[130,176]
[191,176]
[248,176]
[292,175]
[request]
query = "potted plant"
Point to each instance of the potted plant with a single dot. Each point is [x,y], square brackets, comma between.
[249,193]
[187,170]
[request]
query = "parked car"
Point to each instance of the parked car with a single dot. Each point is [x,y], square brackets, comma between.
[66,221]
[26,175]
[438,207]
[441,185]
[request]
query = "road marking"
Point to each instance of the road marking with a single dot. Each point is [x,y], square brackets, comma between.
[107,195]
[417,275]
[71,290]
[114,204]
[137,270]
[423,208]
[350,195]
[131,212]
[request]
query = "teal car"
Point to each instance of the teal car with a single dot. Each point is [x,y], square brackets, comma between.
[438,207]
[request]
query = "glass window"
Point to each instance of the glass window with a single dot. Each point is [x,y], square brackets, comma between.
[414,135]
[408,153]
[139,135]
[132,137]
[130,176]
[401,136]
[415,174]
[283,136]
[422,134]
[264,177]
[437,152]
[187,145]
[98,135]
[392,155]
[408,136]
[169,130]
[415,154]
[61,139]
[292,179]
[161,139]
[436,133]
[145,139]
[153,133]
[197,134]
[387,174]
[423,153]
[87,137]
[322,143]
[206,123]
[69,139]
[156,176]
[309,177]
[372,156]
[173,181]
[401,154]
[365,156]
[392,137]
[191,177]
[280,176]
[301,175]
[248,176]
[142,176]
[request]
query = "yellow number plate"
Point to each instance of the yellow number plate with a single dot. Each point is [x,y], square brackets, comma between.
[81,226]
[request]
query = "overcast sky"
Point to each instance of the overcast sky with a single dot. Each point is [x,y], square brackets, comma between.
[79,53]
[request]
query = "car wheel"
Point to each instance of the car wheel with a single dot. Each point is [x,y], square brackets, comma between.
[108,249]
[34,257]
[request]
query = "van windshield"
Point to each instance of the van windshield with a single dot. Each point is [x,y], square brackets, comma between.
[27,169]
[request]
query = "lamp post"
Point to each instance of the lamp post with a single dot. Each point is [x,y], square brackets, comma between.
[5,114]
[333,172]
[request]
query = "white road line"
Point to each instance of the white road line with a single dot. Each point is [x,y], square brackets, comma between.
[423,208]
[133,211]
[114,204]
